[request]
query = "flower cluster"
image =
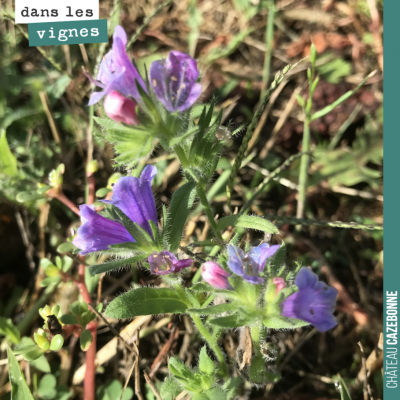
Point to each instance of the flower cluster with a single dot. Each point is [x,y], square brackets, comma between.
[173,80]
[314,302]
[134,197]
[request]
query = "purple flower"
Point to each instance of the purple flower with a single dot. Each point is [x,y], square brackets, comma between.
[133,196]
[97,232]
[251,264]
[216,276]
[165,263]
[117,71]
[313,303]
[174,81]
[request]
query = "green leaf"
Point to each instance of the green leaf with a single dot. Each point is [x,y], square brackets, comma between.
[146,301]
[344,391]
[206,365]
[105,267]
[10,331]
[43,189]
[247,221]
[181,203]
[86,317]
[280,322]
[218,309]
[170,388]
[201,287]
[19,388]
[22,197]
[40,363]
[333,71]
[103,192]
[47,387]
[113,391]
[86,339]
[65,247]
[179,369]
[8,162]
[56,343]
[30,353]
[230,321]
[75,308]
[49,280]
[131,143]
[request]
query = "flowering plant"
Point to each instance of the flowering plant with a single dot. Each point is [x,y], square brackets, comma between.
[236,283]
[258,290]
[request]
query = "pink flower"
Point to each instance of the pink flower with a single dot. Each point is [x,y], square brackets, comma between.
[279,284]
[120,108]
[216,276]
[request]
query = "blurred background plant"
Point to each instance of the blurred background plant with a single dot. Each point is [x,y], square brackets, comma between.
[49,141]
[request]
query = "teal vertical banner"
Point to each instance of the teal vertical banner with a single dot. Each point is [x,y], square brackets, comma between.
[391,280]
[68,32]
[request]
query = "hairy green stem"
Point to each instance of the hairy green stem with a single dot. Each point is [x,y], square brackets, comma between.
[211,342]
[305,159]
[207,208]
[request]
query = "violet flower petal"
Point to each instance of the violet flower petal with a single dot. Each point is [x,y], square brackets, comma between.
[133,196]
[313,303]
[174,81]
[165,263]
[116,71]
[260,254]
[97,232]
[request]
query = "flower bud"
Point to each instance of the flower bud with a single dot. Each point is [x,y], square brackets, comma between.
[41,341]
[279,284]
[217,277]
[120,108]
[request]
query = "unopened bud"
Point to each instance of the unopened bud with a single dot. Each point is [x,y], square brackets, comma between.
[216,276]
[120,108]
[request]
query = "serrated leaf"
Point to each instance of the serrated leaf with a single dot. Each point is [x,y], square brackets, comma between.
[217,309]
[181,203]
[19,388]
[247,221]
[109,266]
[146,301]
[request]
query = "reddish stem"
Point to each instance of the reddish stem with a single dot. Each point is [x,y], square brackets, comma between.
[60,196]
[89,386]
[91,180]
